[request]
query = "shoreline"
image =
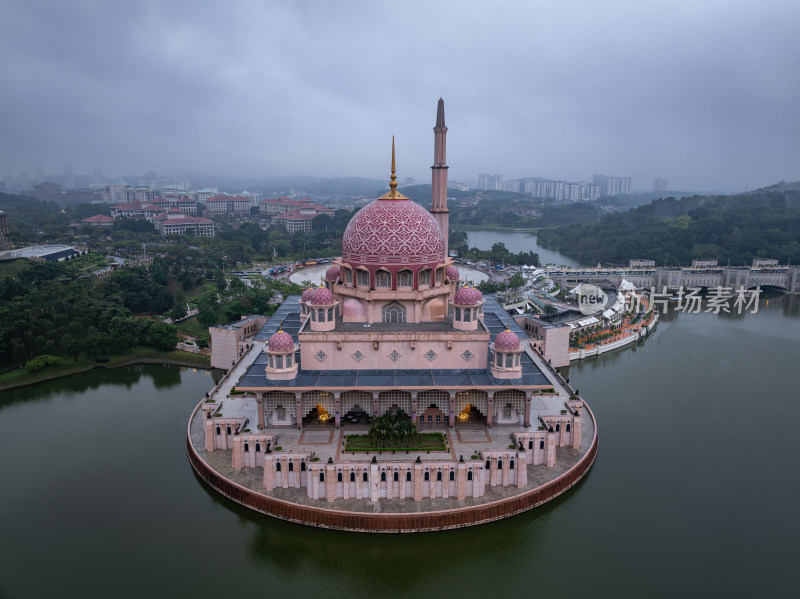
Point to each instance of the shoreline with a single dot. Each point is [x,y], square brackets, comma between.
[89,367]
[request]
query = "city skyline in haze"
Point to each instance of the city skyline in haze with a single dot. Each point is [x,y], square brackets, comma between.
[700,94]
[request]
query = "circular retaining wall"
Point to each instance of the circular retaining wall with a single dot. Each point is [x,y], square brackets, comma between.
[376,522]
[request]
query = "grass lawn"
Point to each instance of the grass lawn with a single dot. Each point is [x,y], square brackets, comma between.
[192,327]
[10,268]
[420,442]
[19,376]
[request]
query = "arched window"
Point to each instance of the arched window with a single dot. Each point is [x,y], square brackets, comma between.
[425,277]
[541,444]
[302,466]
[488,464]
[530,444]
[228,430]
[383,477]
[458,313]
[258,447]
[405,278]
[396,476]
[567,426]
[469,474]
[364,477]
[408,476]
[558,426]
[516,360]
[348,276]
[439,475]
[271,362]
[277,466]
[439,276]
[314,315]
[288,360]
[218,431]
[363,278]
[509,360]
[278,361]
[321,317]
[330,314]
[427,475]
[511,465]
[383,279]
[339,477]
[394,312]
[452,475]
[322,477]
[352,477]
[291,466]
[499,464]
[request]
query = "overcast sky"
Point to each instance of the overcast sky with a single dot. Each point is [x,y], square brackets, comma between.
[705,93]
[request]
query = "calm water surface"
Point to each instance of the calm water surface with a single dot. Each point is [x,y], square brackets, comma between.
[518,242]
[694,491]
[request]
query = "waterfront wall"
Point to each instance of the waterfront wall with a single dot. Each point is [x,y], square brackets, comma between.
[603,348]
[399,522]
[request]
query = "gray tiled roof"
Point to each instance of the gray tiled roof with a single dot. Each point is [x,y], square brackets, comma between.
[288,318]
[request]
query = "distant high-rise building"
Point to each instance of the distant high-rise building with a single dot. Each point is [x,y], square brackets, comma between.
[97,175]
[613,186]
[69,176]
[490,182]
[660,185]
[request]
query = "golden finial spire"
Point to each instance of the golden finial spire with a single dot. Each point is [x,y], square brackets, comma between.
[393,194]
[393,184]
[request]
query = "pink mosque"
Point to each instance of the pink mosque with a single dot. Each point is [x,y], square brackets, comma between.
[393,327]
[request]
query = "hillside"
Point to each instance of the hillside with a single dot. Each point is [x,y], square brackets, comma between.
[762,223]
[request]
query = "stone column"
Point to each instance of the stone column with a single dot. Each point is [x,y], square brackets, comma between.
[337,409]
[490,410]
[452,410]
[527,420]
[374,483]
[210,430]
[461,481]
[330,483]
[522,471]
[550,455]
[237,453]
[418,474]
[269,473]
[576,431]
[260,403]
[298,402]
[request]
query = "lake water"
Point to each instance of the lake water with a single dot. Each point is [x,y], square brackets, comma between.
[694,491]
[518,242]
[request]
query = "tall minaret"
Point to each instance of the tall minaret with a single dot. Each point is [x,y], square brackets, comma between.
[439,176]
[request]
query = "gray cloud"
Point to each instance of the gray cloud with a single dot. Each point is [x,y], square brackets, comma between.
[702,93]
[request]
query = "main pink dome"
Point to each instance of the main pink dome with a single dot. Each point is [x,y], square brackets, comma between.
[467,296]
[389,232]
[281,341]
[321,297]
[506,341]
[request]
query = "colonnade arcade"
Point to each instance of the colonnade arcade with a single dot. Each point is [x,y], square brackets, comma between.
[432,408]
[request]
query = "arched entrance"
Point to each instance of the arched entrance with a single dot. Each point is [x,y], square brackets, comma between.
[471,408]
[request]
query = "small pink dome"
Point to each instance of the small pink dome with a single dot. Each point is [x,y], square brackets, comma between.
[506,341]
[281,341]
[306,294]
[467,296]
[452,273]
[321,297]
[333,273]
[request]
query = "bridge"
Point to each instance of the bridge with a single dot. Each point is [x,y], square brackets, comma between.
[781,277]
